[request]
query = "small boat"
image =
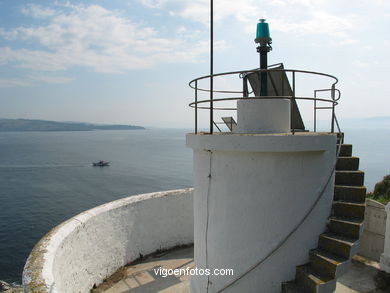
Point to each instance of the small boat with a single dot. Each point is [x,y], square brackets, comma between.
[101,164]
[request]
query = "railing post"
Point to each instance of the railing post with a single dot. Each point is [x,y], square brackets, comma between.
[291,101]
[315,111]
[244,87]
[333,105]
[211,64]
[196,106]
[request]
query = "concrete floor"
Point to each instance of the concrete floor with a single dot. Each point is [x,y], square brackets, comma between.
[142,277]
[359,279]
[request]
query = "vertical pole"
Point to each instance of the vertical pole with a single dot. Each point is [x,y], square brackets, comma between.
[333,115]
[196,106]
[315,111]
[211,64]
[263,66]
[244,87]
[292,100]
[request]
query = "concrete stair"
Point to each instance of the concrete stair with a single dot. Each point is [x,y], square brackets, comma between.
[347,163]
[350,193]
[346,150]
[340,241]
[351,228]
[312,280]
[353,177]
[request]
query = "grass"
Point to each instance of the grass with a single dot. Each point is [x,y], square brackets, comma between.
[381,192]
[381,198]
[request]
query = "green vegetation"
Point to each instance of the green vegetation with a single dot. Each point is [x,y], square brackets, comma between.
[382,191]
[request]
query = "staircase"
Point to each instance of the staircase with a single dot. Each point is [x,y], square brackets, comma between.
[340,241]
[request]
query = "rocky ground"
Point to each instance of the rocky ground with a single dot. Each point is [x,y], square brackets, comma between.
[10,288]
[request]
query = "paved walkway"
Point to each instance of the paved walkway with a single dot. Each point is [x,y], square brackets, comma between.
[358,279]
[143,277]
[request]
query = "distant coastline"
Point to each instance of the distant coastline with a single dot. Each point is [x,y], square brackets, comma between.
[10,125]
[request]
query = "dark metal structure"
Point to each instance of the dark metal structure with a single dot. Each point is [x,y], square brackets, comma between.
[277,85]
[263,38]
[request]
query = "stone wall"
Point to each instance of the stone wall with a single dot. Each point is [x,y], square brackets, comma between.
[91,246]
[373,237]
[385,257]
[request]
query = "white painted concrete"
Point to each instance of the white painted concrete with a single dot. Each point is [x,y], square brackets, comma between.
[263,116]
[373,238]
[385,258]
[91,246]
[254,189]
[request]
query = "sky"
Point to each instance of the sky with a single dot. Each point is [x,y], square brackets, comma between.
[130,61]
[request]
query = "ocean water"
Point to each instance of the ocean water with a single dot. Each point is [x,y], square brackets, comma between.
[47,177]
[372,146]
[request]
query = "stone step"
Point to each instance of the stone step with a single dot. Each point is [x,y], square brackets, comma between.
[351,178]
[347,163]
[345,150]
[350,193]
[351,228]
[328,264]
[314,282]
[338,245]
[346,209]
[291,287]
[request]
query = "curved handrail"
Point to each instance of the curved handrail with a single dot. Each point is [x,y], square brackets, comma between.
[252,71]
[192,105]
[194,84]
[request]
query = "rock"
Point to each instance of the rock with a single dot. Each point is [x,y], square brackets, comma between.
[4,286]
[10,288]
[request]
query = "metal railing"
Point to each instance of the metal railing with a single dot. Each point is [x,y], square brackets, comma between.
[211,103]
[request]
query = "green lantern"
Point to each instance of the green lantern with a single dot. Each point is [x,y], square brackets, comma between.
[262,33]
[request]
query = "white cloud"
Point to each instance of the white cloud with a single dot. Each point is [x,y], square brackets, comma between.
[361,64]
[199,10]
[318,23]
[37,11]
[300,17]
[50,78]
[13,82]
[96,38]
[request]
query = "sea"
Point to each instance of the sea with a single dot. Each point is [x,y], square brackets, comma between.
[47,177]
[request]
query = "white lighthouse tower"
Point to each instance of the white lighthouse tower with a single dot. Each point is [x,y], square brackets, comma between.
[263,189]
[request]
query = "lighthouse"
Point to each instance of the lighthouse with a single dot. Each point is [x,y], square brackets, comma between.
[263,189]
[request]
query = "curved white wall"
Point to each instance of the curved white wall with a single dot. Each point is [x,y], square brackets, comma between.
[87,248]
[255,189]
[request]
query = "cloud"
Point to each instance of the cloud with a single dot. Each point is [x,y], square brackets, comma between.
[362,64]
[13,82]
[50,78]
[318,23]
[94,37]
[37,11]
[31,79]
[300,17]
[199,10]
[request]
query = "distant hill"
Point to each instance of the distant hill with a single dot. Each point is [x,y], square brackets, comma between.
[43,125]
